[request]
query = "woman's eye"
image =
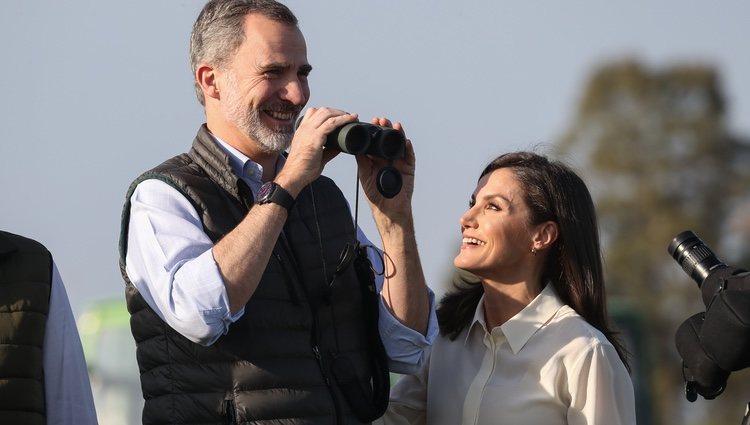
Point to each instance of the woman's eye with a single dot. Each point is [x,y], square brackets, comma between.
[493,207]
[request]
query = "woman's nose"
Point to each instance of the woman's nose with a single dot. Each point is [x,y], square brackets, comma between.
[467,219]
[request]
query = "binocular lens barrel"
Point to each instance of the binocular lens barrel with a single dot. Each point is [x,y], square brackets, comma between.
[352,138]
[356,138]
[387,143]
[359,137]
[695,258]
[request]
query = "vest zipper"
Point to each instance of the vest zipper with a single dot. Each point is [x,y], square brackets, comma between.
[230,412]
[314,329]
[288,279]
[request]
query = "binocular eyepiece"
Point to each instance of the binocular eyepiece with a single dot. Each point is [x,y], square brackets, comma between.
[363,138]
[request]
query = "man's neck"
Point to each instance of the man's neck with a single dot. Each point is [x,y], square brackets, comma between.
[269,166]
[249,147]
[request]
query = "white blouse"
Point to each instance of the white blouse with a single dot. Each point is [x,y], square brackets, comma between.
[545,366]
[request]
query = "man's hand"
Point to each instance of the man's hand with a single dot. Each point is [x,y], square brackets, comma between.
[404,289]
[307,157]
[398,207]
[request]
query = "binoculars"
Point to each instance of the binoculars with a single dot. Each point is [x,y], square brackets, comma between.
[362,138]
[358,137]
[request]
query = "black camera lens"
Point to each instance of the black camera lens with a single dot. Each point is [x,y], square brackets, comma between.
[695,258]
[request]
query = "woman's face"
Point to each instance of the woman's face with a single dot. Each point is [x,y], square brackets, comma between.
[497,237]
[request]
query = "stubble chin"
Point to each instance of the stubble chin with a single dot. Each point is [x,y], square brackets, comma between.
[272,142]
[269,140]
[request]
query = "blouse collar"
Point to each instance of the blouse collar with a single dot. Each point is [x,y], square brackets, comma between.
[521,327]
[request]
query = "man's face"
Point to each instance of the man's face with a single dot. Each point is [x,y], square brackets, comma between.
[264,87]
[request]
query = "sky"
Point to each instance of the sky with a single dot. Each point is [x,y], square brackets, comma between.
[97,91]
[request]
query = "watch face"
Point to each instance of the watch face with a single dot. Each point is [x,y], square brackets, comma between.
[265,191]
[271,192]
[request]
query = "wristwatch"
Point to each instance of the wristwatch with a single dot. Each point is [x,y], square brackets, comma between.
[272,192]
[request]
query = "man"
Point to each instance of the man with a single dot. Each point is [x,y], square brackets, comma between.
[237,246]
[43,375]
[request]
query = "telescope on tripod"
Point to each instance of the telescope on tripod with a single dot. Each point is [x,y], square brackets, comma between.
[716,342]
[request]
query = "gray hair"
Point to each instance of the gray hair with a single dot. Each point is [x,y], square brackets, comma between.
[220,30]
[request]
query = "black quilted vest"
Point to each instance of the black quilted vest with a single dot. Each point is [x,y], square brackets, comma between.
[275,364]
[25,281]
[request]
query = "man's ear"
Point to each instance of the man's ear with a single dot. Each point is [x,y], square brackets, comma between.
[207,79]
[546,235]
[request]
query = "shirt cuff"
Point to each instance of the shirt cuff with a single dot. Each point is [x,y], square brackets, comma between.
[406,348]
[210,296]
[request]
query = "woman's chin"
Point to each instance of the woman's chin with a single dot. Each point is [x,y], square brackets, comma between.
[460,264]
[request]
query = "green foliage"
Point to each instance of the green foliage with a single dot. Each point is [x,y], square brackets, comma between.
[653,147]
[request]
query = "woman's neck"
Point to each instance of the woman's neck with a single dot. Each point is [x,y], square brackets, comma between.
[502,301]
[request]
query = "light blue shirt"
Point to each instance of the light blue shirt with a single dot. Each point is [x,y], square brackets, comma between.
[67,389]
[170,261]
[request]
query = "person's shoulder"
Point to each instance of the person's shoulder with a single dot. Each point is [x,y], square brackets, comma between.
[570,324]
[326,186]
[10,242]
[176,164]
[168,172]
[323,180]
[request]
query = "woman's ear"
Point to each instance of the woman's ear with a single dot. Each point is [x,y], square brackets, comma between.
[546,235]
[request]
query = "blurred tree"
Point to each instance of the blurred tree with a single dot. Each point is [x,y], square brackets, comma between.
[653,147]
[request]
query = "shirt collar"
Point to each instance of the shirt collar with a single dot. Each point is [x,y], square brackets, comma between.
[478,320]
[244,167]
[521,327]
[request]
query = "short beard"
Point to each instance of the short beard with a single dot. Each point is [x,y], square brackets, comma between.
[269,140]
[248,121]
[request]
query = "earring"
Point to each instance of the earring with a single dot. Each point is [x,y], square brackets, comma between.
[533,251]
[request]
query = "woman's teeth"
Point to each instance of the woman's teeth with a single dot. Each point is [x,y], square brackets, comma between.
[473,241]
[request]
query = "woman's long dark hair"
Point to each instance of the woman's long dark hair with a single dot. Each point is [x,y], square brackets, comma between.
[553,192]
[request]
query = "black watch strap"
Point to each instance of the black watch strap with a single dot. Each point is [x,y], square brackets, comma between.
[271,192]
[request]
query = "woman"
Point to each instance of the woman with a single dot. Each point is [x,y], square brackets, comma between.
[529,342]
